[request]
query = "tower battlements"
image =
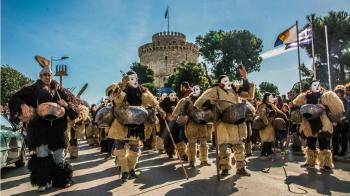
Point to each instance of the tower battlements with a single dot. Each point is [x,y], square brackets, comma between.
[165,53]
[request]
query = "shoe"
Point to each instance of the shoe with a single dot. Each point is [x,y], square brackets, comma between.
[205,163]
[306,165]
[125,176]
[191,164]
[242,172]
[42,188]
[49,185]
[108,156]
[132,174]
[224,172]
[70,183]
[184,158]
[326,169]
[248,155]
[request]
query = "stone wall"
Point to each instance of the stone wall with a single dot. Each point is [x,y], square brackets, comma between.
[165,53]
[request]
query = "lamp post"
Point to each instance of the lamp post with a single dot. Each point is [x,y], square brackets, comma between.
[61,70]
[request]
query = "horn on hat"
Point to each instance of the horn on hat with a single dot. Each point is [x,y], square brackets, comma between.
[43,62]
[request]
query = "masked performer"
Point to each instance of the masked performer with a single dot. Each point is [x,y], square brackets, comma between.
[128,127]
[317,106]
[227,96]
[249,121]
[268,113]
[168,105]
[195,131]
[92,135]
[77,131]
[45,105]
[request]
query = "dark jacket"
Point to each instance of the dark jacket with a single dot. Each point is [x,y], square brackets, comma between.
[40,130]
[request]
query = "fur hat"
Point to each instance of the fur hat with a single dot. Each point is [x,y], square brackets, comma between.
[112,88]
[340,88]
[131,72]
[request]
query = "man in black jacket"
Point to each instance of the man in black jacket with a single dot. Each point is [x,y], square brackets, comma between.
[46,130]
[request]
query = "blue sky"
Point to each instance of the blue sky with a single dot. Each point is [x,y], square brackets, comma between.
[102,37]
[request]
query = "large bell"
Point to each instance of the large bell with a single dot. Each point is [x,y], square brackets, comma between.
[50,110]
[202,116]
[131,116]
[279,124]
[258,123]
[151,115]
[234,114]
[249,115]
[104,117]
[311,111]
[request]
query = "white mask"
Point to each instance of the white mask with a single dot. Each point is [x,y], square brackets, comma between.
[133,80]
[315,87]
[196,91]
[226,81]
[172,96]
[271,99]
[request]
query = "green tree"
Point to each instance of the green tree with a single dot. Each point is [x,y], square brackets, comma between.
[144,73]
[11,81]
[151,87]
[257,93]
[265,87]
[338,27]
[307,76]
[226,51]
[190,72]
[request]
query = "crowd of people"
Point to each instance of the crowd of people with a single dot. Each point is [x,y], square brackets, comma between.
[226,117]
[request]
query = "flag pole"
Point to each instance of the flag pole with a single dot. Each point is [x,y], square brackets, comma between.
[329,70]
[313,49]
[168,18]
[300,84]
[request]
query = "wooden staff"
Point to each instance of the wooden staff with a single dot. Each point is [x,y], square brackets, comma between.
[177,152]
[216,145]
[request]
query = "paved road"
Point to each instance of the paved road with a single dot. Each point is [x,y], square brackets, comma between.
[161,176]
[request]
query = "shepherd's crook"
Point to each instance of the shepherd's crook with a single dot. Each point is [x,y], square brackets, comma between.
[177,152]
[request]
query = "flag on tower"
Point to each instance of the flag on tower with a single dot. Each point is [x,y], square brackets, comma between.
[166,15]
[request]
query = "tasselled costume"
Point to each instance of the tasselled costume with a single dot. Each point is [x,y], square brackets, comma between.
[46,135]
[127,150]
[152,126]
[228,134]
[267,111]
[77,131]
[321,128]
[92,132]
[168,105]
[249,120]
[194,131]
